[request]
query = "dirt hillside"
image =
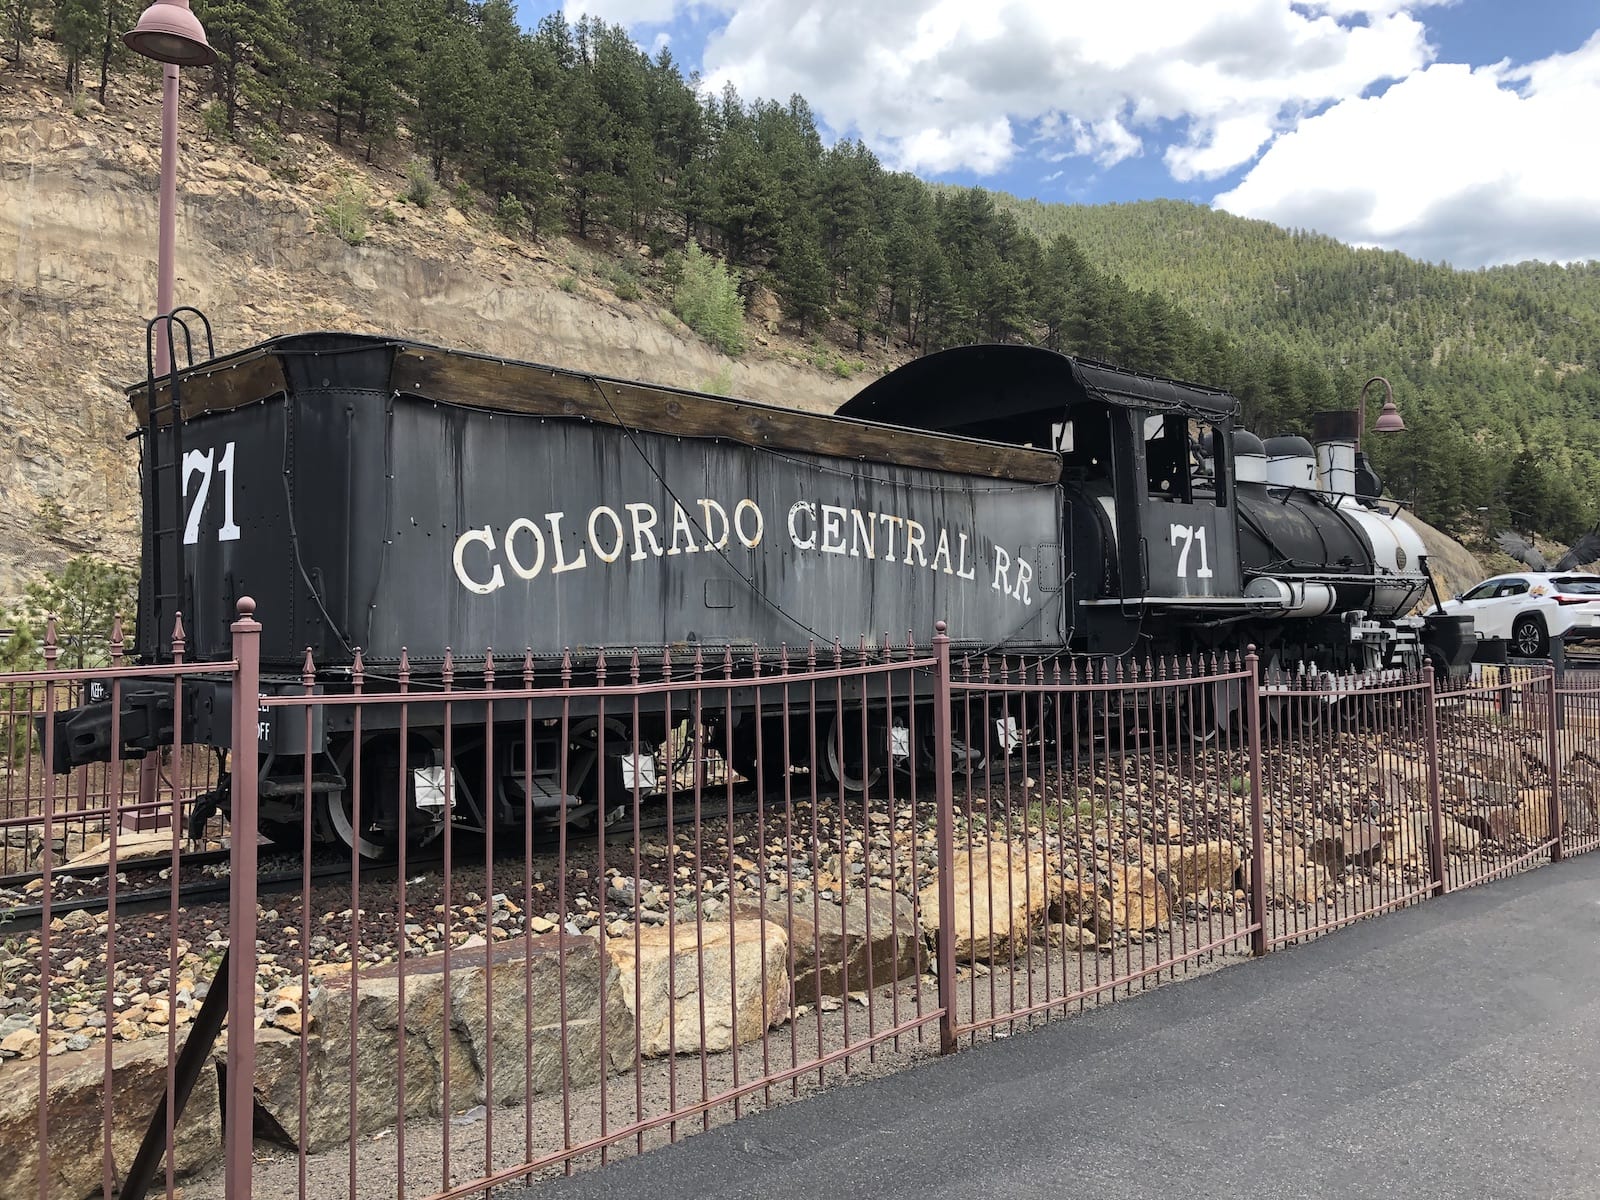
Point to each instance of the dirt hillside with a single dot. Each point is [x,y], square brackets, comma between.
[78,209]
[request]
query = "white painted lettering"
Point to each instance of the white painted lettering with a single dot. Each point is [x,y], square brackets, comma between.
[961,566]
[1002,570]
[1024,574]
[643,530]
[682,529]
[890,523]
[484,537]
[715,541]
[805,507]
[523,525]
[751,508]
[614,552]
[914,539]
[943,552]
[832,529]
[864,530]
[561,550]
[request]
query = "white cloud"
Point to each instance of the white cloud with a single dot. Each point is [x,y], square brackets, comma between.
[933,84]
[623,12]
[1471,166]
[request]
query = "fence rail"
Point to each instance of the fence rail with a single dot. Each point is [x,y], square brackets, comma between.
[521,921]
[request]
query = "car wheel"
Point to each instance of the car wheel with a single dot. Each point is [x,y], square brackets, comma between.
[1528,638]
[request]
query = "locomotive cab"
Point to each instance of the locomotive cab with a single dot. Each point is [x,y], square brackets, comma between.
[1146,468]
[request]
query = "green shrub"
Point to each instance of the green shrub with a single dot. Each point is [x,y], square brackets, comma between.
[510,216]
[707,300]
[567,283]
[214,120]
[347,215]
[720,384]
[419,184]
[624,283]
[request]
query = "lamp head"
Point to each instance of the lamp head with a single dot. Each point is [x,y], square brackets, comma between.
[1389,420]
[169,33]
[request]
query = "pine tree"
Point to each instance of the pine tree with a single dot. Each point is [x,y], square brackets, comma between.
[78,26]
[255,61]
[18,19]
[450,90]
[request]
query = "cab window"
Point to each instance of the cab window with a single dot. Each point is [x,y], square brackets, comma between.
[1511,587]
[1166,456]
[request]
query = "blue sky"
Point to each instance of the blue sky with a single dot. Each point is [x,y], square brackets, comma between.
[1453,130]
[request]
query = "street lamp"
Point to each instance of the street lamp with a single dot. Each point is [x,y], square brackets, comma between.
[1389,420]
[1337,436]
[171,35]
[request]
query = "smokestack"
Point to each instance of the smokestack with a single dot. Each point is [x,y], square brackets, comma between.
[1336,435]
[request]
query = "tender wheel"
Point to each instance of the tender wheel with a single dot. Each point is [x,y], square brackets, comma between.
[1529,637]
[768,768]
[846,761]
[597,780]
[377,838]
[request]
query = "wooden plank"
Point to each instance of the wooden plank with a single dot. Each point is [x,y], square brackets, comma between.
[545,391]
[217,386]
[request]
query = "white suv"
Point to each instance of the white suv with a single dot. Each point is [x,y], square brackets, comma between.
[1528,609]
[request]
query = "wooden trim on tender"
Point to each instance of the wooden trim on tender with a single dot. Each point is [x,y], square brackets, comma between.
[545,391]
[216,386]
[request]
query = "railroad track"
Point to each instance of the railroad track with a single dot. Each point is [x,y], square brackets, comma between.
[136,899]
[336,867]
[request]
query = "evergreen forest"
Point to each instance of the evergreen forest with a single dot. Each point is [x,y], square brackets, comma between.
[571,127]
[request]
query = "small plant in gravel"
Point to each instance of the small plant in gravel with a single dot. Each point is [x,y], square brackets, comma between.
[567,283]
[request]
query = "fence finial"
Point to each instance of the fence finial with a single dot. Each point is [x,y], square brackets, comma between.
[52,648]
[488,668]
[116,639]
[358,670]
[179,638]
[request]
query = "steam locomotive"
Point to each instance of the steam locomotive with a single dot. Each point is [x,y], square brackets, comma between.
[378,493]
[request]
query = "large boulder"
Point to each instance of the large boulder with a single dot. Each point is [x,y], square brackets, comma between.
[1206,867]
[1128,898]
[524,989]
[1454,568]
[1001,894]
[834,945]
[1293,879]
[76,1098]
[734,972]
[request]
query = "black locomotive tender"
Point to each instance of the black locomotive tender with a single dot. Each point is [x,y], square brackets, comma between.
[380,493]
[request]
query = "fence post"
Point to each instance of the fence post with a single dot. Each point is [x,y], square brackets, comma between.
[1558,676]
[945,837]
[1258,821]
[239,1102]
[1435,805]
[1553,754]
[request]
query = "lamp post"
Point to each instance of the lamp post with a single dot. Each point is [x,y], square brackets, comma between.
[171,35]
[1389,420]
[1337,435]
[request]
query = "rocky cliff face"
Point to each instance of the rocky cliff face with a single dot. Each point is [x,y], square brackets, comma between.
[78,208]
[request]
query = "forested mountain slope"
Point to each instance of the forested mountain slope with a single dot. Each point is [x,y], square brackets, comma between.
[571,130]
[1507,358]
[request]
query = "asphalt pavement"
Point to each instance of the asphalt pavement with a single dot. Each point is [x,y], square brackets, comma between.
[1451,1050]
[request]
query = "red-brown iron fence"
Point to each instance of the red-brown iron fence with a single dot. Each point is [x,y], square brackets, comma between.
[511,916]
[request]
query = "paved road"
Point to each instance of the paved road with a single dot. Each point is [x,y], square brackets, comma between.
[1450,1051]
